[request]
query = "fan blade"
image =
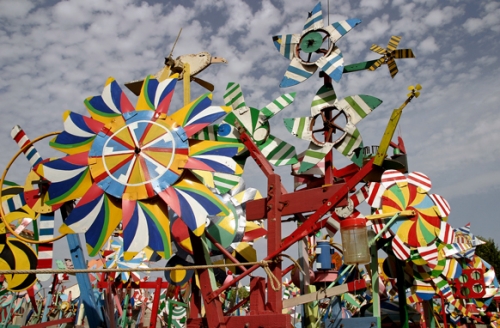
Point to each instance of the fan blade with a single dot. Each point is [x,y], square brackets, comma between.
[339,29]
[403,53]
[377,64]
[296,73]
[378,49]
[313,155]
[393,43]
[207,85]
[286,44]
[278,152]
[333,65]
[314,20]
[393,68]
[135,86]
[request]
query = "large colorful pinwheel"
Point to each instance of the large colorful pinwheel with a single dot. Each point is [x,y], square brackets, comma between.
[126,164]
[396,193]
[340,129]
[309,44]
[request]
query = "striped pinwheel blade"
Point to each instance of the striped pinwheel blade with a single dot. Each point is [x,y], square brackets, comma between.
[377,64]
[212,156]
[234,96]
[276,106]
[352,145]
[403,53]
[358,107]
[199,114]
[332,65]
[286,44]
[278,152]
[339,29]
[145,224]
[393,43]
[97,215]
[296,73]
[69,178]
[378,49]
[313,155]
[225,182]
[299,127]
[112,103]
[314,19]
[393,67]
[193,201]
[324,98]
[78,135]
[156,95]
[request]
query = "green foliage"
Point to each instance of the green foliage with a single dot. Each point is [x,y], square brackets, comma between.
[242,293]
[490,253]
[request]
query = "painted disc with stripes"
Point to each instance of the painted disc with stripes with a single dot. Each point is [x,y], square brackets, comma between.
[421,229]
[179,276]
[141,155]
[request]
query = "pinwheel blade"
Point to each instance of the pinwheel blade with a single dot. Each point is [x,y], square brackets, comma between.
[313,155]
[393,67]
[276,106]
[377,64]
[358,107]
[299,127]
[145,224]
[296,73]
[378,49]
[112,103]
[78,135]
[286,44]
[278,152]
[225,182]
[193,201]
[69,178]
[97,215]
[332,65]
[198,114]
[404,53]
[339,29]
[393,43]
[352,145]
[156,95]
[314,19]
[324,98]
[212,156]
[234,96]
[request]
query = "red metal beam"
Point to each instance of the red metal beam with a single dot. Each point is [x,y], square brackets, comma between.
[294,203]
[156,303]
[225,252]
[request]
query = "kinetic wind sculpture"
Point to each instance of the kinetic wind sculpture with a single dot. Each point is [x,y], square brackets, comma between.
[128,163]
[309,42]
[172,184]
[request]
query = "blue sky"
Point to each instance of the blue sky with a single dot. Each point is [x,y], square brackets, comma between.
[55,54]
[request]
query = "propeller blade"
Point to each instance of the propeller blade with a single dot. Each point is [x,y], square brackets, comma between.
[296,73]
[393,68]
[393,43]
[378,49]
[207,85]
[403,53]
[135,86]
[377,64]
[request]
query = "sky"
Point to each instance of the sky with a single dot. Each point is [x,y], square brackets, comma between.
[54,54]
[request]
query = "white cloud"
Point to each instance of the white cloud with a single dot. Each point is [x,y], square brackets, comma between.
[490,19]
[428,45]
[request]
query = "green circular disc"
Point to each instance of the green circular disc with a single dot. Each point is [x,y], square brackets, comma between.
[311,42]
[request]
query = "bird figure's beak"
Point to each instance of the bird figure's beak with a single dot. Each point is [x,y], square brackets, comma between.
[218,60]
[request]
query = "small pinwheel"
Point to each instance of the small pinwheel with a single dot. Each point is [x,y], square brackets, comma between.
[128,163]
[340,128]
[464,245]
[390,54]
[309,42]
[114,259]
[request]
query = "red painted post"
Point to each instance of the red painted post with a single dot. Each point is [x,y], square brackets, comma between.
[274,296]
[156,303]
[257,295]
